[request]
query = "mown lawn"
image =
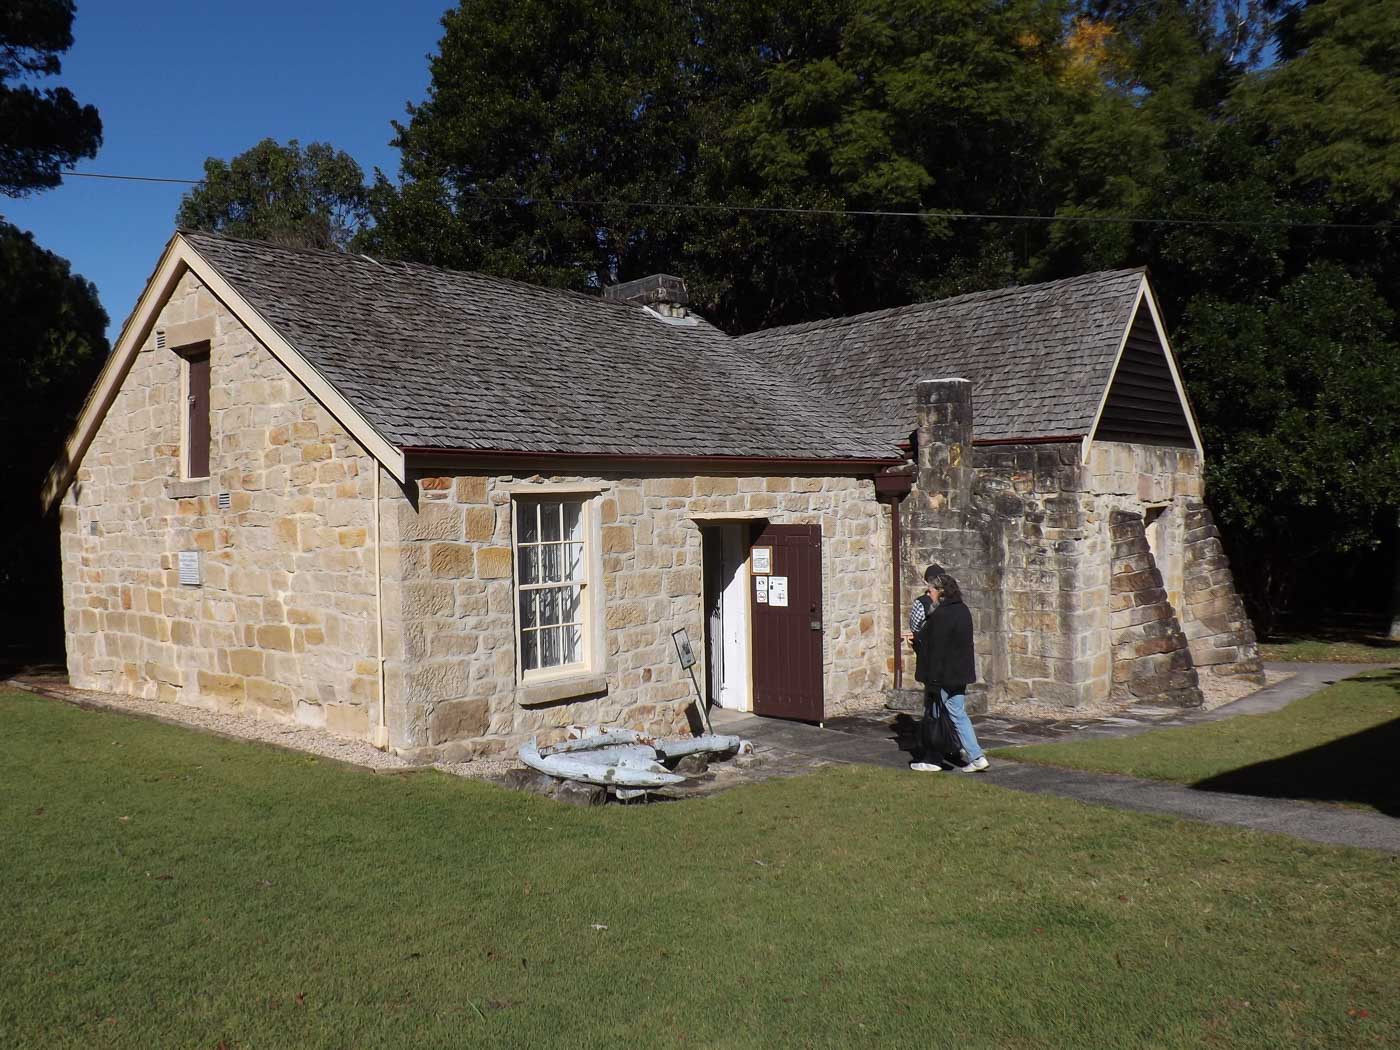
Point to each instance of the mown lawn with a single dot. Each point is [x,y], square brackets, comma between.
[1346,645]
[1338,745]
[169,889]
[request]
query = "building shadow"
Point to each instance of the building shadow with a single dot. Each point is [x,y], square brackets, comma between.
[1361,768]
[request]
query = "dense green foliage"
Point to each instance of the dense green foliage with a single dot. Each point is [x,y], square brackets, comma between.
[581,143]
[173,889]
[1334,746]
[303,198]
[51,346]
[52,335]
[42,129]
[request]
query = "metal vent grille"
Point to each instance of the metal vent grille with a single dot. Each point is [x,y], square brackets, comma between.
[92,528]
[160,338]
[189,568]
[225,501]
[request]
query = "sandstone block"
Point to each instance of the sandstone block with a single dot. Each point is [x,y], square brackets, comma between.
[493,563]
[451,559]
[470,490]
[350,720]
[275,636]
[481,523]
[457,720]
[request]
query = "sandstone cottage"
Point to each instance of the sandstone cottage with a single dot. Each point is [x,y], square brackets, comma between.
[430,508]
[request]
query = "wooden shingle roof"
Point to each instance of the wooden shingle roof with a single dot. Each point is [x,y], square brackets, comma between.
[438,359]
[1039,357]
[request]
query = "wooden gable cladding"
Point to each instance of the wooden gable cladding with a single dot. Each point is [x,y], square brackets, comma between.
[1143,403]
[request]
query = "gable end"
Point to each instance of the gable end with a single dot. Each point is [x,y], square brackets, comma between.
[1145,402]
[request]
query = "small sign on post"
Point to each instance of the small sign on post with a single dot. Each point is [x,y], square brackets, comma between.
[687,655]
[683,649]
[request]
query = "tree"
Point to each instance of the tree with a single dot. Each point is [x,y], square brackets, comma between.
[540,116]
[51,346]
[44,130]
[311,198]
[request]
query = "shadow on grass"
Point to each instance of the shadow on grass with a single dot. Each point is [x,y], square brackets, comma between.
[1359,768]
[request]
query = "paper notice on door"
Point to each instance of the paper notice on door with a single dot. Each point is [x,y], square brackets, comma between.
[777,590]
[761,560]
[760,589]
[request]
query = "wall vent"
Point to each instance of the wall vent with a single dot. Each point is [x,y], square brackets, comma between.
[189,568]
[225,501]
[160,338]
[92,528]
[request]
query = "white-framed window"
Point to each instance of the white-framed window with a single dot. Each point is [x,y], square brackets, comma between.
[553,586]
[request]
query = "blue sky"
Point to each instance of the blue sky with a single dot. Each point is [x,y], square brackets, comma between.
[178,82]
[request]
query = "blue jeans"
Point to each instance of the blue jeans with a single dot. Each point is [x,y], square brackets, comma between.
[957,711]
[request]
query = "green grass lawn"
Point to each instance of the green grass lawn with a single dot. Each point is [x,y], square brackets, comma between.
[169,889]
[1347,645]
[1338,745]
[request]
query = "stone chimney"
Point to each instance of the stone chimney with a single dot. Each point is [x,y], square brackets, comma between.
[662,293]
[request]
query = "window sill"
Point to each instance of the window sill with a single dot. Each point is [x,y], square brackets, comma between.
[185,488]
[552,690]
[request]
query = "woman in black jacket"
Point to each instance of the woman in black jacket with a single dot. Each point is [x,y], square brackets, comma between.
[945,644]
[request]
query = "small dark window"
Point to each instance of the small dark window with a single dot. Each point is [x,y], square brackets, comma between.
[197,406]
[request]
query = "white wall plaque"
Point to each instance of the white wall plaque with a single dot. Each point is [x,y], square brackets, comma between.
[189,569]
[760,589]
[777,590]
[761,560]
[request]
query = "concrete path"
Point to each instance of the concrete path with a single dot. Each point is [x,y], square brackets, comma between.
[1315,822]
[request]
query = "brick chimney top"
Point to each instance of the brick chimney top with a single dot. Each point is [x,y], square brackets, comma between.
[662,292]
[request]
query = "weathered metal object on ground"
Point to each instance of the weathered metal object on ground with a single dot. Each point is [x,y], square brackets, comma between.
[623,759]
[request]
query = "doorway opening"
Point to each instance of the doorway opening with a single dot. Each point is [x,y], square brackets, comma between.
[727,660]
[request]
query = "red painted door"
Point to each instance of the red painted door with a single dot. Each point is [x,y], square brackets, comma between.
[787,626]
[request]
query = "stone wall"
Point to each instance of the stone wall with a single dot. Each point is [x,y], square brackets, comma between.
[1010,523]
[452,663]
[1151,660]
[283,626]
[1029,531]
[1217,626]
[1167,484]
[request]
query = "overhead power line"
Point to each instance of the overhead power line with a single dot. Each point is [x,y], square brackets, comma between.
[875,213]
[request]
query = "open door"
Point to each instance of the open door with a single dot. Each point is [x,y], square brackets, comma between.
[726,550]
[786,605]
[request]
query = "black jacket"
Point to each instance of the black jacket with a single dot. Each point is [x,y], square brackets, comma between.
[945,647]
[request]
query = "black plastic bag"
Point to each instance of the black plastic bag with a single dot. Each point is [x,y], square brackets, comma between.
[937,733]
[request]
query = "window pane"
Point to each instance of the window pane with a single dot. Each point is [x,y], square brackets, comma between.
[573,569]
[527,522]
[573,522]
[571,601]
[573,644]
[549,606]
[529,616]
[552,567]
[529,650]
[529,564]
[549,521]
[550,655]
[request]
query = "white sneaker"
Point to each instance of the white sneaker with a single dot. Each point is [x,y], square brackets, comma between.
[976,766]
[925,767]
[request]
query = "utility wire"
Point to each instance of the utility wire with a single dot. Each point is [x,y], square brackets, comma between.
[854,212]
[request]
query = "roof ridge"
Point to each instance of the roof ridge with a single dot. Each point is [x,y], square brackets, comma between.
[985,296]
[409,264]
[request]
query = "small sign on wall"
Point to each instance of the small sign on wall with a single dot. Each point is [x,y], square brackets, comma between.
[777,590]
[189,569]
[761,560]
[760,589]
